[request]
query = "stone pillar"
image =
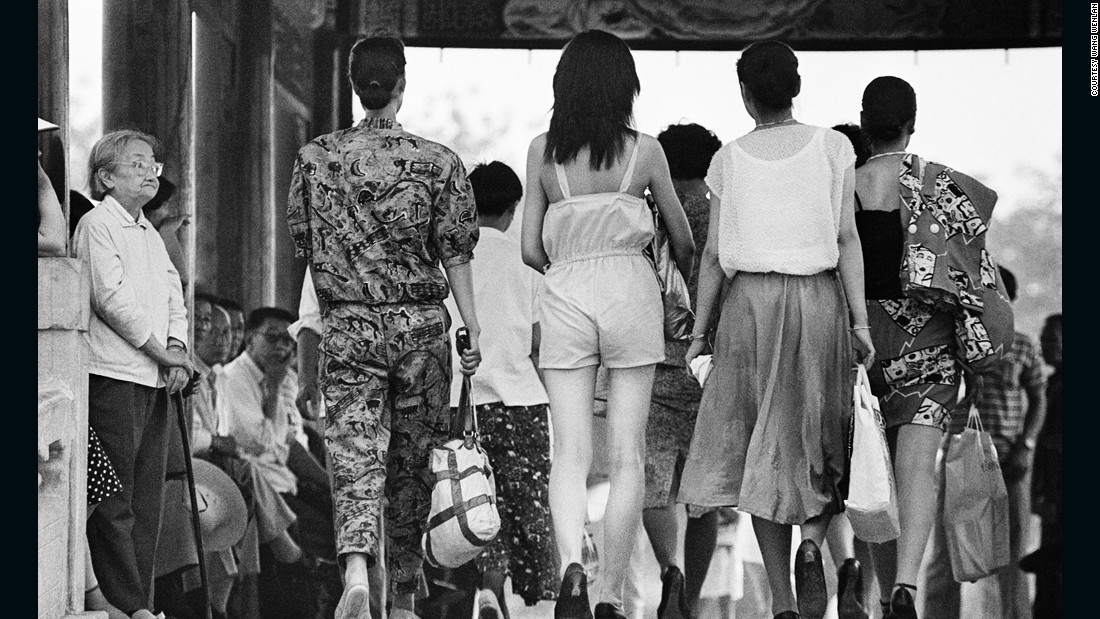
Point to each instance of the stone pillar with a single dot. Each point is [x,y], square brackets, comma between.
[63,316]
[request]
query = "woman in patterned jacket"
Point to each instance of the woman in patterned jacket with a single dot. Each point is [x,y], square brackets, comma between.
[376,211]
[935,305]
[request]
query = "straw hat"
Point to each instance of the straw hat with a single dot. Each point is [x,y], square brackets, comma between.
[222,511]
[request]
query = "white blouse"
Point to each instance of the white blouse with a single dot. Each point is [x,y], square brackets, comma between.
[781,193]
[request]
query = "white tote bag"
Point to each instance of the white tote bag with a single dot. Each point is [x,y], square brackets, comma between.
[872,503]
[463,517]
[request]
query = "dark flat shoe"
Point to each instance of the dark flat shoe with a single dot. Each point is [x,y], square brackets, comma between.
[672,604]
[607,610]
[809,581]
[787,614]
[573,598]
[902,605]
[849,597]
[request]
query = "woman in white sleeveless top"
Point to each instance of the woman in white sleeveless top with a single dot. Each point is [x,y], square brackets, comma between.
[585,225]
[771,435]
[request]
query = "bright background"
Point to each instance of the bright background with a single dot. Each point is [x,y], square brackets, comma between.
[994,114]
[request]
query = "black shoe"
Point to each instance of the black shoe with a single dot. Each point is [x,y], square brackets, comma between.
[849,596]
[787,614]
[673,604]
[902,605]
[1042,560]
[573,598]
[607,610]
[809,581]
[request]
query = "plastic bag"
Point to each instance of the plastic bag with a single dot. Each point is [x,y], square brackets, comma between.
[872,503]
[975,503]
[679,319]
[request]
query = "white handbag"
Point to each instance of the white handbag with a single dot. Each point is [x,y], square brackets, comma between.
[463,517]
[872,503]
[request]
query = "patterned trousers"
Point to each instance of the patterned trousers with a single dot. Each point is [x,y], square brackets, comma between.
[385,374]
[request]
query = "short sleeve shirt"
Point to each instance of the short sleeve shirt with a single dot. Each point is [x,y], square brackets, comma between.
[376,210]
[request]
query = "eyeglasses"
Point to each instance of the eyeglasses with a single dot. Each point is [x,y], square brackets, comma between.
[144,167]
[278,337]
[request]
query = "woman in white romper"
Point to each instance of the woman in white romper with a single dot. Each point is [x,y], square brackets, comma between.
[585,225]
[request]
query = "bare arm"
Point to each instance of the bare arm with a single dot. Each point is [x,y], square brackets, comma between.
[309,393]
[534,210]
[52,230]
[462,287]
[710,284]
[672,212]
[850,266]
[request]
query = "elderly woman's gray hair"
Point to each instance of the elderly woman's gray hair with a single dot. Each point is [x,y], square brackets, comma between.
[107,152]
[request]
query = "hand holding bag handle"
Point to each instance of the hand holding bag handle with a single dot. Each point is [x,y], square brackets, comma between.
[465,423]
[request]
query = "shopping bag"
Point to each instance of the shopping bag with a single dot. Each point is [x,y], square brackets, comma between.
[975,503]
[679,317]
[872,503]
[463,518]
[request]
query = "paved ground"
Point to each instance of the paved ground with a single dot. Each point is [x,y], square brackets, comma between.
[979,600]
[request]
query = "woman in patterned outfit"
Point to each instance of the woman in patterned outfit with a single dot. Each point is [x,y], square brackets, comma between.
[376,210]
[675,402]
[927,321]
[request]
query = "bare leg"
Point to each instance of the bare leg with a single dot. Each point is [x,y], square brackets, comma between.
[815,528]
[661,527]
[354,603]
[699,543]
[628,404]
[493,580]
[775,548]
[571,397]
[93,595]
[914,467]
[885,561]
[840,539]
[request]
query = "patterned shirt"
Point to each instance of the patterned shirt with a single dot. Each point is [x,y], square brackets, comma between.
[376,210]
[1002,395]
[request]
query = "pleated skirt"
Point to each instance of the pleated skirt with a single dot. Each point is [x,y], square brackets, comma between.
[771,437]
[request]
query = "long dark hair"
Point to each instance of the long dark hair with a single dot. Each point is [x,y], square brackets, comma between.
[594,89]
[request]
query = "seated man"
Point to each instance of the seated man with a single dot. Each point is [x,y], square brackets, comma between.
[210,441]
[258,391]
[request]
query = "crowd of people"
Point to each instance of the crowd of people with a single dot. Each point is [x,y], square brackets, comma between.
[806,251]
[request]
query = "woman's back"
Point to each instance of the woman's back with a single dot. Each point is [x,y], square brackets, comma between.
[601,217]
[782,192]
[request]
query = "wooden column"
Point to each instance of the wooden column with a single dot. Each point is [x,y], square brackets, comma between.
[255,245]
[53,92]
[147,84]
[147,78]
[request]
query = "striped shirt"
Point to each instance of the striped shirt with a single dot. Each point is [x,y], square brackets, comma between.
[1002,395]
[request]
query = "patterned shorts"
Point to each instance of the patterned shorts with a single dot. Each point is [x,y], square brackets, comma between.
[517,441]
[915,374]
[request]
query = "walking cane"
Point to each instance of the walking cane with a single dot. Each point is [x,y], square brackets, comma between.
[177,400]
